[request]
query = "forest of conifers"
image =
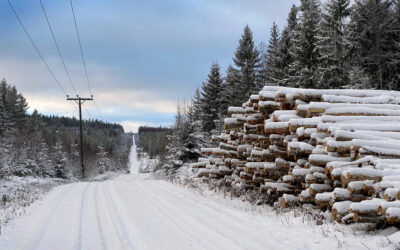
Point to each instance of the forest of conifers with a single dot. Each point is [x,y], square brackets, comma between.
[48,146]
[152,140]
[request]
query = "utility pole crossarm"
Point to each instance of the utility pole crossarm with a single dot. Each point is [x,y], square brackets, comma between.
[79,98]
[80,101]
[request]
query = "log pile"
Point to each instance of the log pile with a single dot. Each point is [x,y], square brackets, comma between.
[337,149]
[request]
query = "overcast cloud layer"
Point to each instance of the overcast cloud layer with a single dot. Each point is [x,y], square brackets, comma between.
[142,56]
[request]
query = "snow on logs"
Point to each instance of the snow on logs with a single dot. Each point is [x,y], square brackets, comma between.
[337,149]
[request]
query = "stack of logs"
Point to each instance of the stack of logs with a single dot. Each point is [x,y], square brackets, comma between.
[337,149]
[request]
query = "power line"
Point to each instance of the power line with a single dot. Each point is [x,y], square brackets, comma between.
[83,59]
[80,47]
[75,108]
[98,111]
[36,48]
[58,48]
[87,112]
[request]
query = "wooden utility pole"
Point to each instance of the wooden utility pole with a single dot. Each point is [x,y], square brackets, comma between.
[80,101]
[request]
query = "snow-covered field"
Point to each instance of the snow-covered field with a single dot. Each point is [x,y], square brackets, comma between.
[137,212]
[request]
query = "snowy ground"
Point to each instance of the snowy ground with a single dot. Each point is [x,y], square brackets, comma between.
[17,193]
[136,212]
[130,212]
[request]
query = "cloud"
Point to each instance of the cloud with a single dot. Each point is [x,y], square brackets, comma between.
[142,56]
[42,92]
[51,105]
[136,100]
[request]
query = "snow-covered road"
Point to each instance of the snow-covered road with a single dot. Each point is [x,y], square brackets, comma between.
[131,212]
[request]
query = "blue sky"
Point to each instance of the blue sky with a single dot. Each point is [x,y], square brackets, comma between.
[142,56]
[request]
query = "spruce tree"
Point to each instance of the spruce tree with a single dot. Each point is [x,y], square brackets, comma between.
[3,116]
[247,60]
[286,46]
[103,161]
[60,160]
[370,33]
[233,93]
[175,148]
[21,106]
[305,52]
[211,98]
[358,78]
[195,138]
[332,43]
[273,74]
[225,100]
[43,160]
[11,97]
[6,155]
[4,107]
[22,164]
[395,67]
[196,107]
[263,50]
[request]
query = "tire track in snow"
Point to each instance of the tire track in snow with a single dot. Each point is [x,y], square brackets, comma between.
[126,238]
[62,197]
[210,206]
[187,201]
[237,222]
[109,214]
[189,216]
[192,197]
[164,215]
[81,219]
[99,224]
[159,198]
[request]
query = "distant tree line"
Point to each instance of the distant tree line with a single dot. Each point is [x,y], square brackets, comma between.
[337,45]
[153,140]
[48,146]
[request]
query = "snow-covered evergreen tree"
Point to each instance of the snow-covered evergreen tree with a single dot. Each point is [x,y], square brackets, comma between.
[60,160]
[358,79]
[25,166]
[4,118]
[304,71]
[233,91]
[263,50]
[273,74]
[175,148]
[332,43]
[10,98]
[395,64]
[196,138]
[247,60]
[286,46]
[43,160]
[196,107]
[5,115]
[34,123]
[211,98]
[371,37]
[74,157]
[6,158]
[186,139]
[103,161]
[19,116]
